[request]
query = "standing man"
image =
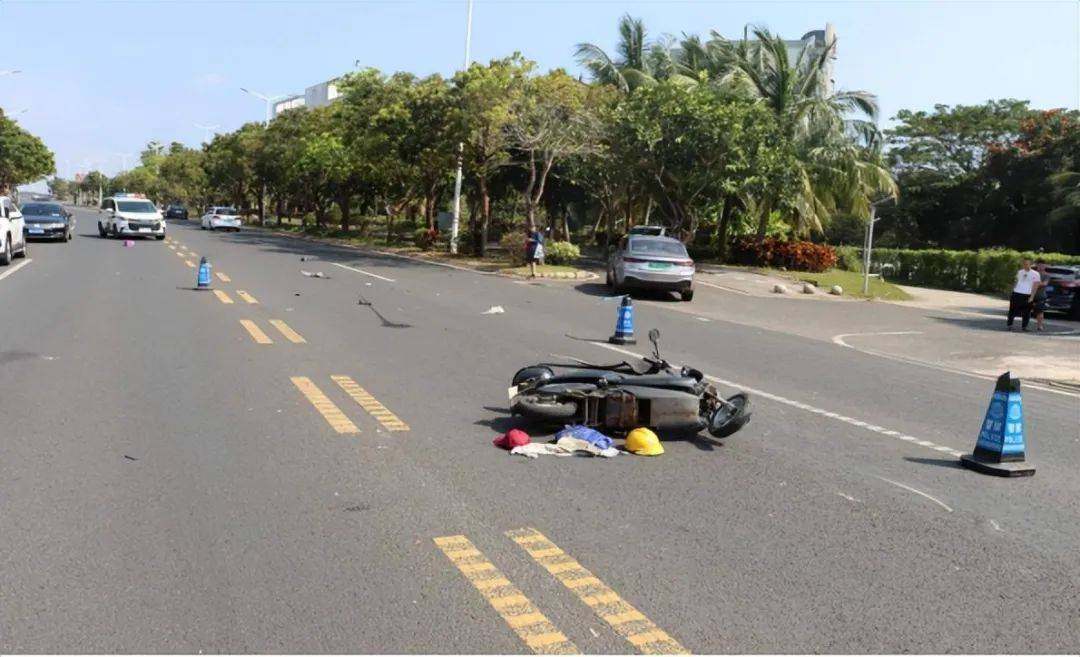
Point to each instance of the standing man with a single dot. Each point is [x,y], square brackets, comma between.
[1023,292]
[534,250]
[1038,297]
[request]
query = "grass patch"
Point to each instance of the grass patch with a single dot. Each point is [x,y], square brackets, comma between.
[851,281]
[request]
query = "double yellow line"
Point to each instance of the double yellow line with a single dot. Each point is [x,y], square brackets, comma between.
[334,416]
[260,337]
[528,622]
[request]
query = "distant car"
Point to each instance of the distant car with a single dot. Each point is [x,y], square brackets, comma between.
[12,239]
[176,212]
[220,216]
[651,262]
[1063,290]
[658,231]
[130,215]
[47,221]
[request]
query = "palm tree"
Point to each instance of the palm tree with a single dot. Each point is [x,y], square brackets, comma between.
[636,62]
[834,133]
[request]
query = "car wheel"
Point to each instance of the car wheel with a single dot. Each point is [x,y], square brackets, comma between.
[687,295]
[5,255]
[67,236]
[25,251]
[100,230]
[159,237]
[609,280]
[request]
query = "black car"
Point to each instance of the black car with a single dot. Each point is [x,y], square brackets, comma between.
[47,221]
[1063,290]
[176,212]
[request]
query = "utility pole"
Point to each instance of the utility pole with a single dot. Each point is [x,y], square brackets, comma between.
[456,223]
[269,100]
[868,243]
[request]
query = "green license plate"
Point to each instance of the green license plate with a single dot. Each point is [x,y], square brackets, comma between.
[660,265]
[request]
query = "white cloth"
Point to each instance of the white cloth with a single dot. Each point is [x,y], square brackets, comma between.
[564,447]
[1026,281]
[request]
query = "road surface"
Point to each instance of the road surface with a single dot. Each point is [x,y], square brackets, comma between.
[275,467]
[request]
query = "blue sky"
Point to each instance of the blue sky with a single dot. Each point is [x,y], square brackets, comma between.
[100,79]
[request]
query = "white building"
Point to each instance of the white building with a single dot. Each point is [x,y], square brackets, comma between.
[318,95]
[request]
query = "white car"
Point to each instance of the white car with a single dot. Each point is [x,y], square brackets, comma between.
[130,215]
[12,240]
[651,263]
[221,217]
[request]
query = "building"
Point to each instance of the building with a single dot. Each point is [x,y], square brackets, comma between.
[318,95]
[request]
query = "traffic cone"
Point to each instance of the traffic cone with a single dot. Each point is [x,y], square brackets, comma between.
[624,323]
[203,282]
[1000,447]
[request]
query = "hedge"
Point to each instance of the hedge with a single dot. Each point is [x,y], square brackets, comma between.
[793,254]
[990,271]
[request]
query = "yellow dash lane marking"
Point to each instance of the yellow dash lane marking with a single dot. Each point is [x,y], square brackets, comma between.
[246,297]
[623,617]
[222,296]
[189,263]
[375,409]
[286,330]
[328,409]
[256,333]
[222,277]
[520,614]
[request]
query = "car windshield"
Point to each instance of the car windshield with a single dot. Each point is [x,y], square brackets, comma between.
[42,210]
[657,247]
[135,206]
[226,211]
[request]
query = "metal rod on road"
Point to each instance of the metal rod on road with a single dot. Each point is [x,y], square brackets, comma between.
[456,222]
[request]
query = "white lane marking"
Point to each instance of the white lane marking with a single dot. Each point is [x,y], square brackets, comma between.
[720,287]
[365,273]
[919,492]
[995,525]
[14,268]
[703,319]
[806,407]
[839,339]
[847,497]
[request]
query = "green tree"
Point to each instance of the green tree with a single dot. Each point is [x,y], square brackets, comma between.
[23,157]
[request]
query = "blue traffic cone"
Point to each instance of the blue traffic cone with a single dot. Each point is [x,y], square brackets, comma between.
[1000,447]
[624,323]
[203,282]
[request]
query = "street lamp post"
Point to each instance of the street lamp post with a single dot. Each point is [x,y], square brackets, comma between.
[868,242]
[455,224]
[269,100]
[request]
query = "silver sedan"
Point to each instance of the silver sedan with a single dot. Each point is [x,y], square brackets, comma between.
[651,263]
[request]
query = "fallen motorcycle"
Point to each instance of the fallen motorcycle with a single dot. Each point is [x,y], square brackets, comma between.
[621,397]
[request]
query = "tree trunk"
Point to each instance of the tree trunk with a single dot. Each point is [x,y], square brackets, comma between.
[280,209]
[389,225]
[345,204]
[763,220]
[722,228]
[320,214]
[262,210]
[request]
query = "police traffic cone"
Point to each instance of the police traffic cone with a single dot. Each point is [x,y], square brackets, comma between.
[1000,447]
[203,282]
[624,323]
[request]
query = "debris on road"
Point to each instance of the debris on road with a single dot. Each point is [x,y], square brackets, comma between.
[779,289]
[128,243]
[494,310]
[644,442]
[313,274]
[363,302]
[512,438]
[130,458]
[582,432]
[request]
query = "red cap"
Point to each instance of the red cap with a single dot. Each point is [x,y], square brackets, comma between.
[512,438]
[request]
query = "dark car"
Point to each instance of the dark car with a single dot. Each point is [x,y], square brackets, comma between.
[1063,290]
[47,221]
[176,212]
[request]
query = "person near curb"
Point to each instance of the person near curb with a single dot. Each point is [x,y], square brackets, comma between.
[534,250]
[1027,279]
[1038,297]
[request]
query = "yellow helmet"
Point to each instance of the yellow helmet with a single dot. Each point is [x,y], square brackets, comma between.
[644,442]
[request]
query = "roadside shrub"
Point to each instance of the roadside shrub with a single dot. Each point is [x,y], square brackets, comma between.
[561,253]
[794,255]
[514,242]
[989,271]
[425,238]
[849,258]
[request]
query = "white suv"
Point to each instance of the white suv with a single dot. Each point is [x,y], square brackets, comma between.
[12,240]
[129,215]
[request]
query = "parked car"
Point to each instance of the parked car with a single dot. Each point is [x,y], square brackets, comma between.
[221,217]
[1063,290]
[176,211]
[47,221]
[12,239]
[651,262]
[130,215]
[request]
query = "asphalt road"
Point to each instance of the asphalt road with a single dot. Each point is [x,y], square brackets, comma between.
[180,473]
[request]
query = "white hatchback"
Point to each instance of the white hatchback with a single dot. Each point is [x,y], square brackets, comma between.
[221,217]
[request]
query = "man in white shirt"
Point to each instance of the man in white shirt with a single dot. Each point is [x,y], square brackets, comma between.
[1027,279]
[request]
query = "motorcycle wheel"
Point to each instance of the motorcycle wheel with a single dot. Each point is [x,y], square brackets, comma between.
[532,407]
[730,417]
